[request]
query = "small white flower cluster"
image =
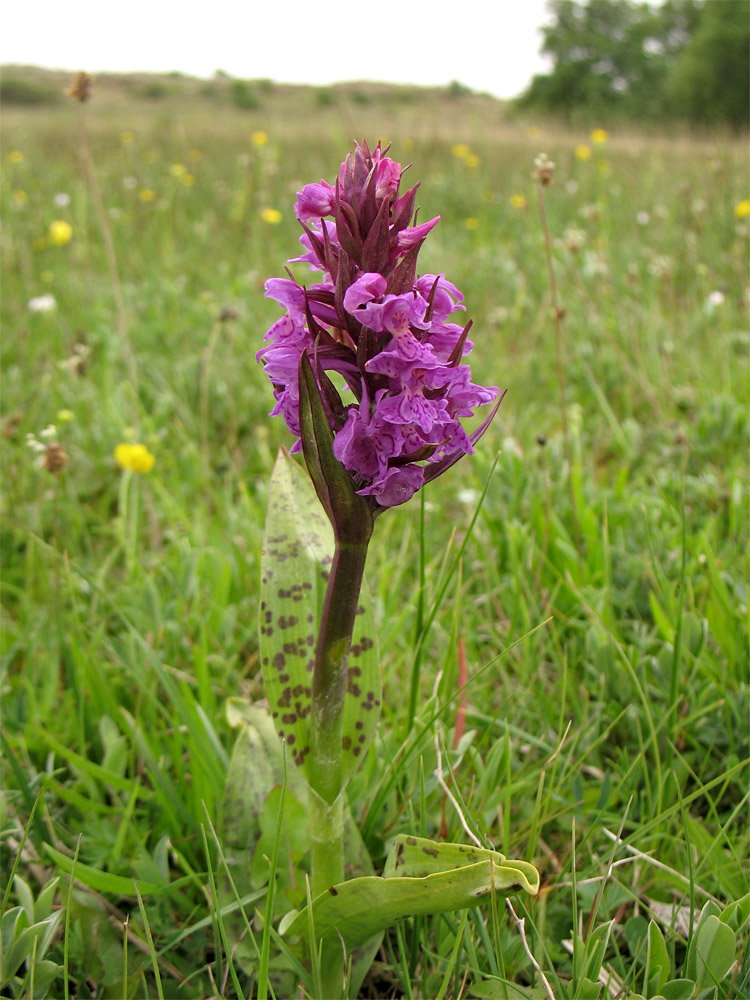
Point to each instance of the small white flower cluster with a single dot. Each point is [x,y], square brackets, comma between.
[47,435]
[714,301]
[42,303]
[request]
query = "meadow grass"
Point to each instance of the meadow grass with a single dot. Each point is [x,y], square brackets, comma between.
[600,592]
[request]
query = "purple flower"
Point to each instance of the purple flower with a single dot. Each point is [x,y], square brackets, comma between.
[389,334]
[314,201]
[409,238]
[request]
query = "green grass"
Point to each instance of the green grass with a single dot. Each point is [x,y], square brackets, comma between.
[602,602]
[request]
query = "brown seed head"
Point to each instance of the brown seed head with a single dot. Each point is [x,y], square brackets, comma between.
[545,169]
[54,458]
[80,87]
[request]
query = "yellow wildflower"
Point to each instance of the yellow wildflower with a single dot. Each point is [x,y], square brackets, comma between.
[583,152]
[742,208]
[20,197]
[187,180]
[126,137]
[460,150]
[271,215]
[471,223]
[15,156]
[65,416]
[259,138]
[194,155]
[472,160]
[599,135]
[149,156]
[518,201]
[178,170]
[60,232]
[134,457]
[147,195]
[533,132]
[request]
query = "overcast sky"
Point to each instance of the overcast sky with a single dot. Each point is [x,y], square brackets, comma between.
[488,45]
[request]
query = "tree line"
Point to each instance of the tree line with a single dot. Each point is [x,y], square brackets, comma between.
[615,58]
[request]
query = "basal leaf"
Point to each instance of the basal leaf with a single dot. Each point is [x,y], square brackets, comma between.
[297,550]
[456,877]
[417,857]
[253,780]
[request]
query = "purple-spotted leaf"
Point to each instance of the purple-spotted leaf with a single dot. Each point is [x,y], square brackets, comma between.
[420,877]
[297,550]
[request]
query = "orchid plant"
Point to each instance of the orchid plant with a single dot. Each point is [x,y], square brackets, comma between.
[366,370]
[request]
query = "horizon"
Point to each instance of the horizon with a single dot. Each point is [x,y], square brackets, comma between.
[495,53]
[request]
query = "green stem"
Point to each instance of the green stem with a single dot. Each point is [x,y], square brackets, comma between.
[326,816]
[326,843]
[331,661]
[352,519]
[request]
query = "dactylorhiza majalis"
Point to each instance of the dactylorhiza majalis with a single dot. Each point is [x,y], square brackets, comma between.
[366,367]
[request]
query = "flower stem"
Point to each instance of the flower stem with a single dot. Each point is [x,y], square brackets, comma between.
[326,805]
[330,674]
[559,313]
[109,246]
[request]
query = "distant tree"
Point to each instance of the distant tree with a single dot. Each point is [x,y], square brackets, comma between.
[710,81]
[612,57]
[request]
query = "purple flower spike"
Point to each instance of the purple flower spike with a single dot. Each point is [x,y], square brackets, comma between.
[386,331]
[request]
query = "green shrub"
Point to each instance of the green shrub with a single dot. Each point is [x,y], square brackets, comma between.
[243,95]
[16,90]
[155,90]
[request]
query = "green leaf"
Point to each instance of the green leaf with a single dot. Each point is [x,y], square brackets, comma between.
[715,945]
[45,973]
[636,931]
[18,942]
[298,547]
[421,877]
[596,946]
[588,989]
[24,896]
[254,777]
[678,989]
[350,514]
[737,914]
[417,857]
[46,899]
[660,617]
[657,961]
[14,922]
[105,882]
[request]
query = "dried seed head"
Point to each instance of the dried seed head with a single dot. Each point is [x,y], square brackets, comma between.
[80,87]
[54,458]
[545,169]
[575,239]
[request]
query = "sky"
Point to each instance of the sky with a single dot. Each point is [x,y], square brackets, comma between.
[487,45]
